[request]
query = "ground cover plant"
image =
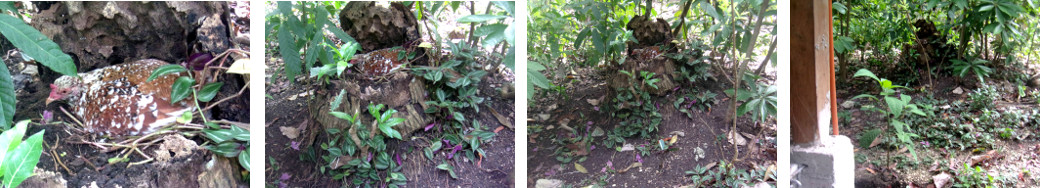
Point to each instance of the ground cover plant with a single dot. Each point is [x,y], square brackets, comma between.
[677,92]
[957,107]
[395,94]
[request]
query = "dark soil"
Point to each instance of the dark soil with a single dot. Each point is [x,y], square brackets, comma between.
[287,107]
[705,130]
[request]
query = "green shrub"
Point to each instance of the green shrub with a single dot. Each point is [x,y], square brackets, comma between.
[983,97]
[896,106]
[977,66]
[344,149]
[636,109]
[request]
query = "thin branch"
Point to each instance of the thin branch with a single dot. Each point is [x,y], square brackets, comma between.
[765,61]
[225,99]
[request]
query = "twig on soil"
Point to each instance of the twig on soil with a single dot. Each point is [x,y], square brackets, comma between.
[71,117]
[92,165]
[54,154]
[225,99]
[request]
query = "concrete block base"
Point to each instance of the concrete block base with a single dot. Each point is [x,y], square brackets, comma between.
[830,162]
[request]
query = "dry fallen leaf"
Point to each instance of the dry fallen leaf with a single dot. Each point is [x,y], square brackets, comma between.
[580,168]
[941,180]
[633,165]
[290,132]
[240,66]
[501,119]
[593,102]
[735,138]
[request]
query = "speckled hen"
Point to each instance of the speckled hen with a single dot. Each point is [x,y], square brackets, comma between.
[379,63]
[118,100]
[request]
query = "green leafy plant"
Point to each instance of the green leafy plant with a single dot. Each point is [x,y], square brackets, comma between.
[702,100]
[577,144]
[232,142]
[34,44]
[536,78]
[693,63]
[18,158]
[454,83]
[636,108]
[362,154]
[977,66]
[341,57]
[974,177]
[727,175]
[896,108]
[759,100]
[297,26]
[983,97]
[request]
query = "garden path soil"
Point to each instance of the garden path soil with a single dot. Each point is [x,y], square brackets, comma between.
[659,169]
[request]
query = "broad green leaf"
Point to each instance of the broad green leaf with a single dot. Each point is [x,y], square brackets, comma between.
[494,38]
[388,130]
[867,73]
[486,30]
[7,98]
[243,159]
[480,18]
[23,160]
[239,133]
[449,168]
[289,52]
[8,6]
[313,50]
[510,59]
[397,176]
[506,5]
[382,160]
[166,69]
[535,77]
[839,7]
[218,135]
[36,45]
[868,137]
[337,101]
[226,149]
[895,106]
[584,33]
[458,116]
[510,33]
[209,91]
[10,139]
[374,110]
[181,89]
[343,36]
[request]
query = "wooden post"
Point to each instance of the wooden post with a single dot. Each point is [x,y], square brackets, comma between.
[810,68]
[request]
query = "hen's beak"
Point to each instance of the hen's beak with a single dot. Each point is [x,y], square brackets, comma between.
[48,102]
